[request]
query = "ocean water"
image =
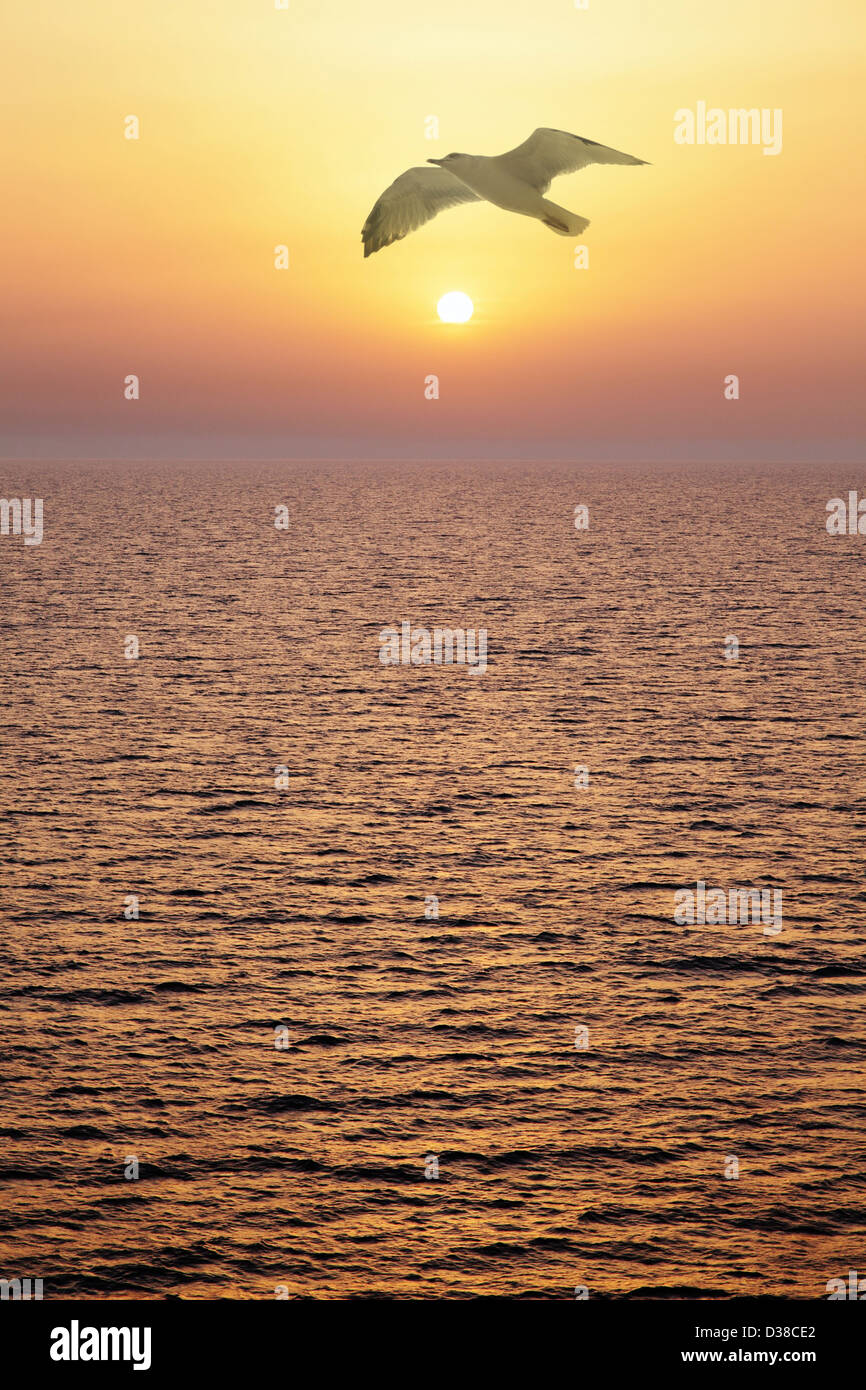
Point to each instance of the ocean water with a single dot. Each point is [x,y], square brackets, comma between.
[303,908]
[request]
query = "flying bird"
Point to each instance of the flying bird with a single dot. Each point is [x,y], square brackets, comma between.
[516,181]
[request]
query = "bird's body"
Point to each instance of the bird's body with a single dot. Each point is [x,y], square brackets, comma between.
[494,182]
[516,182]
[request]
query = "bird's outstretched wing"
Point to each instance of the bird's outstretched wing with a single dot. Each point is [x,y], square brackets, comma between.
[549,153]
[410,202]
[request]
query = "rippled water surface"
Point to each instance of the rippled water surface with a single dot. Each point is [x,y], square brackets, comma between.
[304,907]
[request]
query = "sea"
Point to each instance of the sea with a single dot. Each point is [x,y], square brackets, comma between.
[327,978]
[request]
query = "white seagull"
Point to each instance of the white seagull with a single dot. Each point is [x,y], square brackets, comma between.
[516,181]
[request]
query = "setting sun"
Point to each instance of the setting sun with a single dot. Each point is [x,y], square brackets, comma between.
[455,307]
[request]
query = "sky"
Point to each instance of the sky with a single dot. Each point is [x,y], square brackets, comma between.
[261,127]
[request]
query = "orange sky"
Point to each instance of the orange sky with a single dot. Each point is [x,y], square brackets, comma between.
[261,126]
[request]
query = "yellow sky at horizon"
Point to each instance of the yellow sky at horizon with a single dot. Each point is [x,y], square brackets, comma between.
[261,127]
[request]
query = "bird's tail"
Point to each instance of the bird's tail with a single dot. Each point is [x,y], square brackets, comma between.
[563,222]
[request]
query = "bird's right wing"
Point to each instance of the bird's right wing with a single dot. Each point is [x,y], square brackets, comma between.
[548,153]
[410,202]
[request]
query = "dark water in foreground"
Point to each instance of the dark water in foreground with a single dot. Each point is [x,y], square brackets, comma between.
[304,907]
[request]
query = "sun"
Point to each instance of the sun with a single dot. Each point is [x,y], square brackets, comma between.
[455,307]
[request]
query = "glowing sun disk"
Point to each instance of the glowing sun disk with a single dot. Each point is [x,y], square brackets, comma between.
[455,307]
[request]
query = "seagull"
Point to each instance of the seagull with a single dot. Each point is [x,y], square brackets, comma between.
[516,181]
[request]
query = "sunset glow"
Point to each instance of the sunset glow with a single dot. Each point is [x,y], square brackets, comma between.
[262,128]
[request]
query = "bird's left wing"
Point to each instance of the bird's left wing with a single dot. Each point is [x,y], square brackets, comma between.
[412,200]
[549,153]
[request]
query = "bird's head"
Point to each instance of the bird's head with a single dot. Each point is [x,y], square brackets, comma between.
[446,160]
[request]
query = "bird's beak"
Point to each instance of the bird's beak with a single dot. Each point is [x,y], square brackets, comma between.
[434,161]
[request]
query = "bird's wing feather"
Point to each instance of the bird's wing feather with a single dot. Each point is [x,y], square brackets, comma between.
[549,153]
[412,200]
